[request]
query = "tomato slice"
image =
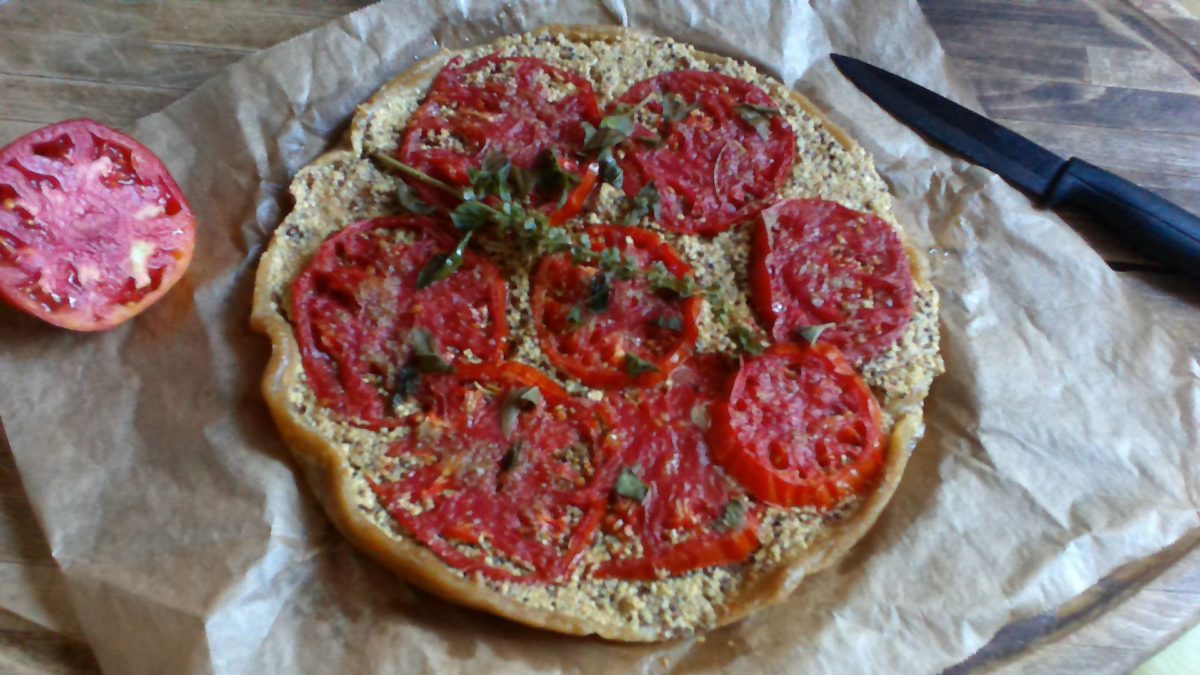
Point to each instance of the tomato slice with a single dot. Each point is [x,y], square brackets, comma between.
[507,491]
[522,108]
[713,166]
[93,229]
[361,320]
[610,332]
[692,515]
[816,262]
[799,427]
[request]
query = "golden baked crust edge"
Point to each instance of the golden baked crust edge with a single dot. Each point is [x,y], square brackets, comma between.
[333,481]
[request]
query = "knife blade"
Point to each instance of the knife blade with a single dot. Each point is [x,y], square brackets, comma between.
[1158,228]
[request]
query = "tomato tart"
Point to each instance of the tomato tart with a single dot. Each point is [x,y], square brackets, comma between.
[597,332]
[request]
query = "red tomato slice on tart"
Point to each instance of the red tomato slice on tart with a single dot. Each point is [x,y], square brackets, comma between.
[93,229]
[367,326]
[799,427]
[816,262]
[504,476]
[608,331]
[714,146]
[521,108]
[672,502]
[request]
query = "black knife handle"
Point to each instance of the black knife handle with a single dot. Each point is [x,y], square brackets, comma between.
[1158,228]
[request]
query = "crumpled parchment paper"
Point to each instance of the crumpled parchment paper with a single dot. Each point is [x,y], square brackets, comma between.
[1061,440]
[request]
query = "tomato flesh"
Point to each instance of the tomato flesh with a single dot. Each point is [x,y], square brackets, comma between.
[93,229]
[683,523]
[712,167]
[816,262]
[357,306]
[799,427]
[636,337]
[522,108]
[520,506]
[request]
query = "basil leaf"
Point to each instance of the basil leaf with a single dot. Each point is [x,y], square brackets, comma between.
[598,293]
[669,322]
[734,516]
[610,171]
[405,385]
[620,121]
[644,202]
[746,340]
[628,485]
[519,400]
[522,180]
[425,355]
[491,178]
[443,265]
[471,215]
[635,366]
[552,177]
[613,129]
[410,202]
[811,334]
[674,108]
[758,117]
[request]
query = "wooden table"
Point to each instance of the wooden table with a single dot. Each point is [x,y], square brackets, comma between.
[1115,82]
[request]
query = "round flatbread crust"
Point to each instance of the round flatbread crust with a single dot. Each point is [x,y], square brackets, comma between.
[318,189]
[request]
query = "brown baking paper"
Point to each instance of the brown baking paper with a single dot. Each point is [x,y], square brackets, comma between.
[1061,440]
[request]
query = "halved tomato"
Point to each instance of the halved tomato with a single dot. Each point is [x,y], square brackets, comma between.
[93,229]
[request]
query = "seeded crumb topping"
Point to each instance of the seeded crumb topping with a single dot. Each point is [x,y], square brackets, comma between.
[343,188]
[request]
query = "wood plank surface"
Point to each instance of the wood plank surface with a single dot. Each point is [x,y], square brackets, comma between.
[1116,82]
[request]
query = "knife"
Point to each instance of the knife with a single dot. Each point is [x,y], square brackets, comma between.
[1153,225]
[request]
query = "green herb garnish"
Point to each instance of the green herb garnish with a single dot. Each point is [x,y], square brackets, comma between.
[511,457]
[734,516]
[630,486]
[443,265]
[574,319]
[811,334]
[610,171]
[674,108]
[425,355]
[405,385]
[747,340]
[635,366]
[410,202]
[669,322]
[757,116]
[522,399]
[599,293]
[644,202]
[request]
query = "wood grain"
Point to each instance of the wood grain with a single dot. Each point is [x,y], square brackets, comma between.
[1114,82]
